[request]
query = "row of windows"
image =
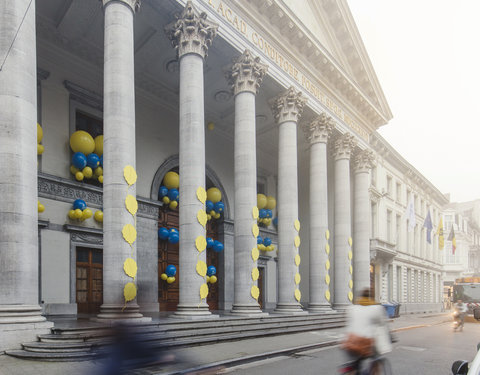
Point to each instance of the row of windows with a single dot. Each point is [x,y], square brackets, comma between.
[419,286]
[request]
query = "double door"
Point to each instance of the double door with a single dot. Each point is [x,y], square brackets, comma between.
[89,280]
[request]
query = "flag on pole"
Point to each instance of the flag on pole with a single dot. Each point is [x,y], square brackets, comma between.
[441,240]
[410,215]
[428,224]
[451,237]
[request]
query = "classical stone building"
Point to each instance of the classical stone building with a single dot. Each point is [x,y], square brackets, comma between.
[292,104]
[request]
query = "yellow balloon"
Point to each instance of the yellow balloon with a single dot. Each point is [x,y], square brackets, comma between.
[173,205]
[129,233]
[200,243]
[98,216]
[40,149]
[201,268]
[171,180]
[255,274]
[78,213]
[99,145]
[74,170]
[203,291]
[166,200]
[267,222]
[213,279]
[271,203]
[130,175]
[297,278]
[87,172]
[163,276]
[130,267]
[170,279]
[98,171]
[79,176]
[202,217]
[100,179]
[327,295]
[129,291]
[298,295]
[71,214]
[217,215]
[255,292]
[39,133]
[208,279]
[201,194]
[261,247]
[87,213]
[41,207]
[131,204]
[209,217]
[255,212]
[261,201]
[214,195]
[81,141]
[212,213]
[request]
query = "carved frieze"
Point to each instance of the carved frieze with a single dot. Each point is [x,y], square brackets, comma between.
[246,73]
[320,129]
[288,106]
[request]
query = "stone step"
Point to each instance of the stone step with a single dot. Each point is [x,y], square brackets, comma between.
[57,347]
[53,357]
[66,338]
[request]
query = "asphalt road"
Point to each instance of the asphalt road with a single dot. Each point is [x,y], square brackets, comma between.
[428,351]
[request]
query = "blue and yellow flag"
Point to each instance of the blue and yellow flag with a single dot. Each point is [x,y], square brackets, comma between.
[441,239]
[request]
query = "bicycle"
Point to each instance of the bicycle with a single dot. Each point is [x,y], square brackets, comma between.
[373,365]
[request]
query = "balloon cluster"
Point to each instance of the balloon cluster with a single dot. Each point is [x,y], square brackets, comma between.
[41,207]
[40,147]
[172,235]
[87,160]
[168,192]
[214,205]
[80,211]
[169,275]
[265,244]
[265,206]
[215,245]
[211,278]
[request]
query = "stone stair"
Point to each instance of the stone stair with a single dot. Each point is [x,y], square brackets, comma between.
[85,343]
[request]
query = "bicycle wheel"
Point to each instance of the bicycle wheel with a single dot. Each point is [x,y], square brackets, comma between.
[380,366]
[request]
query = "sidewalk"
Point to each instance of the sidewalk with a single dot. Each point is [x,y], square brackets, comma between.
[222,353]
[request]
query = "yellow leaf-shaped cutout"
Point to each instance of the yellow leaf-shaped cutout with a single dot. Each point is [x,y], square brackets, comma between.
[296,224]
[131,204]
[327,248]
[255,253]
[327,234]
[130,175]
[129,233]
[130,267]
[297,241]
[350,284]
[255,292]
[255,212]
[255,274]
[129,291]
[327,265]
[255,230]
[202,217]
[327,295]
[350,270]
[327,279]
[350,241]
[297,278]
[203,291]
[201,268]
[298,295]
[297,260]
[201,243]
[201,194]
[350,296]
[350,255]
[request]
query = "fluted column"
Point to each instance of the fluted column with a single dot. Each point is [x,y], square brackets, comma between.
[363,162]
[317,133]
[245,76]
[18,175]
[287,109]
[119,152]
[343,284]
[191,35]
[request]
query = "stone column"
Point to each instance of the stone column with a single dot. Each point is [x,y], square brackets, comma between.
[119,152]
[20,318]
[343,284]
[317,133]
[287,109]
[191,35]
[363,162]
[245,76]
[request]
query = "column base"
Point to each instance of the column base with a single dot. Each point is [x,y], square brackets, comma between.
[192,312]
[248,311]
[114,313]
[341,307]
[320,308]
[149,307]
[21,323]
[289,308]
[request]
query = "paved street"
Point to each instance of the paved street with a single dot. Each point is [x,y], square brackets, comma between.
[431,349]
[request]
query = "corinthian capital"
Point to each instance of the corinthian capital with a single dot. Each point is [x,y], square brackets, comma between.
[134,4]
[344,145]
[363,161]
[246,73]
[288,106]
[320,129]
[191,32]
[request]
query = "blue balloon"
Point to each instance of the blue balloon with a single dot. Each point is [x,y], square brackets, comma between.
[269,213]
[173,194]
[79,160]
[275,221]
[79,203]
[262,213]
[93,161]
[209,206]
[211,270]
[217,246]
[173,237]
[163,233]
[162,191]
[101,161]
[171,270]
[209,243]
[267,241]
[219,207]
[259,240]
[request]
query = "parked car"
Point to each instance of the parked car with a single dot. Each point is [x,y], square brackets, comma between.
[461,367]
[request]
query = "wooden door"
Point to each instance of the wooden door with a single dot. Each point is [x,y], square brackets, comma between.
[372,281]
[89,280]
[261,296]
